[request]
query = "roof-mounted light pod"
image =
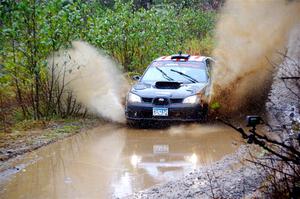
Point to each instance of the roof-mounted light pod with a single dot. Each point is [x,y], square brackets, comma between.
[180,56]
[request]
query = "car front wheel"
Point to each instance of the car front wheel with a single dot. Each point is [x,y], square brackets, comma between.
[204,113]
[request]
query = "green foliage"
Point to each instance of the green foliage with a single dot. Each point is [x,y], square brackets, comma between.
[200,46]
[136,37]
[32,30]
[215,105]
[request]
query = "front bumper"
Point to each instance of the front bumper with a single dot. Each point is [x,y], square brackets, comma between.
[176,112]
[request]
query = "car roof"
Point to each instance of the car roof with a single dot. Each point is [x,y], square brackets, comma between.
[190,58]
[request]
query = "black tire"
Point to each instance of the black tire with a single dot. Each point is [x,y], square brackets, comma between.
[204,114]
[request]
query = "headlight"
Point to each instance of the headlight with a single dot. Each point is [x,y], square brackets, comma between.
[133,98]
[191,100]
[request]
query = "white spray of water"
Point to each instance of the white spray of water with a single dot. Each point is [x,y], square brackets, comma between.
[94,79]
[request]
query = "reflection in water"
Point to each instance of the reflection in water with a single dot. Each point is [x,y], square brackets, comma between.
[113,161]
[135,160]
[192,159]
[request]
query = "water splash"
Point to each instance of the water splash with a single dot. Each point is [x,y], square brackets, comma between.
[249,36]
[94,79]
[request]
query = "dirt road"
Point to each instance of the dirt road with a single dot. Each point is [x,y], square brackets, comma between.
[113,161]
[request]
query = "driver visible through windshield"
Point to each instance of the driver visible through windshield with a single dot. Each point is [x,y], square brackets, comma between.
[185,72]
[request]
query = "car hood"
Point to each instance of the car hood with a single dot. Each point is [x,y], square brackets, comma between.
[150,90]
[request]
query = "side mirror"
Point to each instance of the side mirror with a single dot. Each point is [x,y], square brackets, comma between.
[136,77]
[209,63]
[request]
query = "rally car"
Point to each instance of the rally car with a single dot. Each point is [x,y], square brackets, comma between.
[172,88]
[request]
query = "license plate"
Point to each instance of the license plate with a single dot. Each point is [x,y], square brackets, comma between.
[160,112]
[160,148]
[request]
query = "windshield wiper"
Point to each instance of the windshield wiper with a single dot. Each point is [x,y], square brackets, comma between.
[164,74]
[185,75]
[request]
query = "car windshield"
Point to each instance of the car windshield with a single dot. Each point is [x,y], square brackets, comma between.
[185,72]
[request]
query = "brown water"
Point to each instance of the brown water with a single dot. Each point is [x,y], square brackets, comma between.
[111,161]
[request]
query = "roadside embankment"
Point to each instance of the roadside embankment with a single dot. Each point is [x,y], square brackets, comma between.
[30,135]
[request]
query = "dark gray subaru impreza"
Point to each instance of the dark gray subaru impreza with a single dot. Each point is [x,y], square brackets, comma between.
[173,88]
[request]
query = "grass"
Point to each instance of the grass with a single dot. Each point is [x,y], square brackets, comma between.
[66,129]
[26,125]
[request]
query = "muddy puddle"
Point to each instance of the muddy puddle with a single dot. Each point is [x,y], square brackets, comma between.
[111,161]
